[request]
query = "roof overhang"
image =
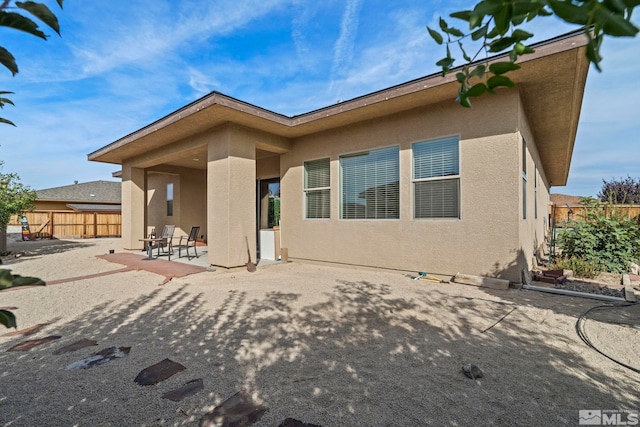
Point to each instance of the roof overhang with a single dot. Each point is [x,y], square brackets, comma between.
[551,82]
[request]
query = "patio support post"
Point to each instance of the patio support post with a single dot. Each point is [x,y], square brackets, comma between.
[231,197]
[133,207]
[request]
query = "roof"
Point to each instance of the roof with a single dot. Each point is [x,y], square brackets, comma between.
[565,199]
[94,208]
[95,192]
[551,83]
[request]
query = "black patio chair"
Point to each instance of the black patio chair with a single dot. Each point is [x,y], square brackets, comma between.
[166,244]
[191,239]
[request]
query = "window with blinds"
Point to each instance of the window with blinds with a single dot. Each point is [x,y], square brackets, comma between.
[436,178]
[370,184]
[317,189]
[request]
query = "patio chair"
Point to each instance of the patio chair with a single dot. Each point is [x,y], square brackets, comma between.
[191,239]
[166,244]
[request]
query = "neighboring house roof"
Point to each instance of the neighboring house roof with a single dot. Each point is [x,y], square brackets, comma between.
[565,199]
[550,81]
[94,192]
[94,208]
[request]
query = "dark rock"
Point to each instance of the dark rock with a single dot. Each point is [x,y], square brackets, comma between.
[75,346]
[28,345]
[158,372]
[291,422]
[189,389]
[472,371]
[237,411]
[100,358]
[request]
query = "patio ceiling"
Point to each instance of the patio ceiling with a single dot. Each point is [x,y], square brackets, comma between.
[551,83]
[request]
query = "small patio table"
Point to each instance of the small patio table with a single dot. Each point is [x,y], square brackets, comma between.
[150,241]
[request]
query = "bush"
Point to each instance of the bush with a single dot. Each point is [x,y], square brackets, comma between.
[602,237]
[579,266]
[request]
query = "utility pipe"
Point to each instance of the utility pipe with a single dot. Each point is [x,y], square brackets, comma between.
[573,293]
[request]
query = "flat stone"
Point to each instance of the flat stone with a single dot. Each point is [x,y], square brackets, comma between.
[239,410]
[28,345]
[75,346]
[158,372]
[100,358]
[189,389]
[292,422]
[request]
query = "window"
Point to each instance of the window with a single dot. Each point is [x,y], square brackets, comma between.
[535,194]
[170,199]
[436,178]
[524,179]
[369,183]
[317,189]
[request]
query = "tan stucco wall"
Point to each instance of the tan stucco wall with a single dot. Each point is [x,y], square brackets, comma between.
[157,201]
[533,230]
[231,196]
[133,206]
[484,241]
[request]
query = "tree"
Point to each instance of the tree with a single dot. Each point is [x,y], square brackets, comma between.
[15,198]
[495,26]
[624,191]
[10,18]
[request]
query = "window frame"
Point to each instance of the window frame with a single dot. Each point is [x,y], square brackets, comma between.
[457,177]
[306,190]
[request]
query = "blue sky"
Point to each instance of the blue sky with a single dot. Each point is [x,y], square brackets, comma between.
[120,65]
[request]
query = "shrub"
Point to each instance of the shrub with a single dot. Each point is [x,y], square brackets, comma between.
[603,237]
[579,266]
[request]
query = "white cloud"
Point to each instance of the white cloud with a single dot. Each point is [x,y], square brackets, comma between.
[343,49]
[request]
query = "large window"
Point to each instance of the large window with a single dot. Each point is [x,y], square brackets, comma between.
[317,189]
[436,178]
[369,183]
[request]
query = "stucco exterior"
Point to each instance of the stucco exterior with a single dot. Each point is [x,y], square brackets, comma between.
[218,150]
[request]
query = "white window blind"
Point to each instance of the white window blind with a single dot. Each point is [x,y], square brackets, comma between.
[317,189]
[436,178]
[369,184]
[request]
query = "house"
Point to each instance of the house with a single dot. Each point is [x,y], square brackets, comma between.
[89,209]
[403,178]
[94,196]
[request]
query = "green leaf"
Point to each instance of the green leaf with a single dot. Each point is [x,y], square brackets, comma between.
[7,59]
[41,12]
[477,89]
[59,3]
[461,77]
[464,52]
[614,24]
[8,122]
[454,32]
[498,81]
[443,25]
[520,35]
[503,67]
[8,319]
[478,71]
[501,44]
[615,5]
[5,101]
[463,100]
[27,281]
[487,7]
[435,35]
[22,23]
[479,33]
[502,18]
[569,12]
[631,3]
[464,15]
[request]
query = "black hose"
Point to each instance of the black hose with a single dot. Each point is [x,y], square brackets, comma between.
[583,336]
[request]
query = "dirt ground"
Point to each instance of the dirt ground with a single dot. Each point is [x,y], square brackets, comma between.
[324,344]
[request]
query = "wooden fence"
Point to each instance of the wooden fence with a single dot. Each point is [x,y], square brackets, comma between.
[72,224]
[563,213]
